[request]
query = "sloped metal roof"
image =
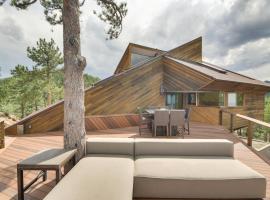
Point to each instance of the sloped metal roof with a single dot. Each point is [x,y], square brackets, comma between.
[218,73]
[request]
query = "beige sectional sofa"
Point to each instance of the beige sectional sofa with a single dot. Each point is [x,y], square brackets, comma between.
[126,168]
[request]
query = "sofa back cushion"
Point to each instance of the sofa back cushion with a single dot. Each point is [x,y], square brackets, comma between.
[186,147]
[119,146]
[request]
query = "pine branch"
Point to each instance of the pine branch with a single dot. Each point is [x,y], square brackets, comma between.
[112,14]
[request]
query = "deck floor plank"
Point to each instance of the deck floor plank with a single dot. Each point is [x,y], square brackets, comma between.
[22,147]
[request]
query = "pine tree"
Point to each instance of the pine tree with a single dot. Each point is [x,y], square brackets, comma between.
[67,12]
[47,57]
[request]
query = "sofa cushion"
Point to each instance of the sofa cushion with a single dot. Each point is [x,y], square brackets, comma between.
[196,177]
[119,146]
[186,147]
[100,177]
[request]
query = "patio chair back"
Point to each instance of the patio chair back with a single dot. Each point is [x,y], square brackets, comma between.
[144,120]
[161,117]
[140,114]
[187,115]
[177,118]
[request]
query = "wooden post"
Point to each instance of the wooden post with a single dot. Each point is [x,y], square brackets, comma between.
[249,133]
[2,135]
[220,117]
[231,123]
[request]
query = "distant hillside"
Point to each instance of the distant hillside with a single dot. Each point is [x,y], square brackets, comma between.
[26,93]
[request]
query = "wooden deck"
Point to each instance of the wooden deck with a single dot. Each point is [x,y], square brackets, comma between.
[21,147]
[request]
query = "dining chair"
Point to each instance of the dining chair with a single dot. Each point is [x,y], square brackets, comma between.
[144,120]
[187,117]
[161,118]
[177,119]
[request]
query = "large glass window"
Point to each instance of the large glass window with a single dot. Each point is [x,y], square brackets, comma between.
[211,99]
[235,99]
[191,98]
[174,100]
[136,58]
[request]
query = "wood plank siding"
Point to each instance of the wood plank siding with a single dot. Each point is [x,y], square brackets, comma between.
[253,107]
[123,94]
[125,62]
[103,122]
[209,115]
[178,77]
[118,94]
[191,50]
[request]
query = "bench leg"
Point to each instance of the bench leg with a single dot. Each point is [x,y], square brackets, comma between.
[74,160]
[58,175]
[44,175]
[20,184]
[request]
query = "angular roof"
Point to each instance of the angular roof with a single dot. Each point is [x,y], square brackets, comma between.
[218,73]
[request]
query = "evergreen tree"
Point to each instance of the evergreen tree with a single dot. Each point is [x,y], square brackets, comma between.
[67,12]
[47,57]
[24,90]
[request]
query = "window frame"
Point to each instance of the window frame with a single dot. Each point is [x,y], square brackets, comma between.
[221,95]
[236,100]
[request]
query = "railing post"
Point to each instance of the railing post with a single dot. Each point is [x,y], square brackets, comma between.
[231,123]
[220,117]
[249,133]
[2,135]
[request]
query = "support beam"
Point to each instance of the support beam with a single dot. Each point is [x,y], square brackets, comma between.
[250,133]
[231,122]
[220,117]
[2,135]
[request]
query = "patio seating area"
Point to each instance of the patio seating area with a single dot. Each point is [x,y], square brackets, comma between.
[24,146]
[164,121]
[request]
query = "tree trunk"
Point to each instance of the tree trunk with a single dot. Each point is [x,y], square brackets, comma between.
[22,110]
[36,105]
[74,64]
[49,97]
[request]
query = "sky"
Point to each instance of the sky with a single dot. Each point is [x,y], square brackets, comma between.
[236,33]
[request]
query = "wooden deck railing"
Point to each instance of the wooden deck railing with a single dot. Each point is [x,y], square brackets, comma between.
[2,134]
[250,123]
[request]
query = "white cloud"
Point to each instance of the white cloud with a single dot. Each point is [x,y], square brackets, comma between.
[235,33]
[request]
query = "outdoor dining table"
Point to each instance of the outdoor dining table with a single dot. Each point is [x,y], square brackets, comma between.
[151,113]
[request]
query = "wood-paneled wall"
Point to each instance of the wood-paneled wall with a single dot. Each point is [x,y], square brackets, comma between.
[191,50]
[124,94]
[125,62]
[209,115]
[178,77]
[102,122]
[118,94]
[253,107]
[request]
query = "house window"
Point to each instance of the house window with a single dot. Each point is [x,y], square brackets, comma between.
[235,99]
[137,58]
[191,98]
[174,100]
[211,99]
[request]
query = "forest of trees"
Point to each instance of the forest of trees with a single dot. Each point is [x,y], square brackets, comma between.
[32,88]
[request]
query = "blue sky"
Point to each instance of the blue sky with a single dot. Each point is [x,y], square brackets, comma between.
[236,34]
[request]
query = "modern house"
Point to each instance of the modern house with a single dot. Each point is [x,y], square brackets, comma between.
[178,78]
[203,165]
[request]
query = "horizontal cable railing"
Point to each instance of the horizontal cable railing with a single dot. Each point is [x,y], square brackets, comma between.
[229,119]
